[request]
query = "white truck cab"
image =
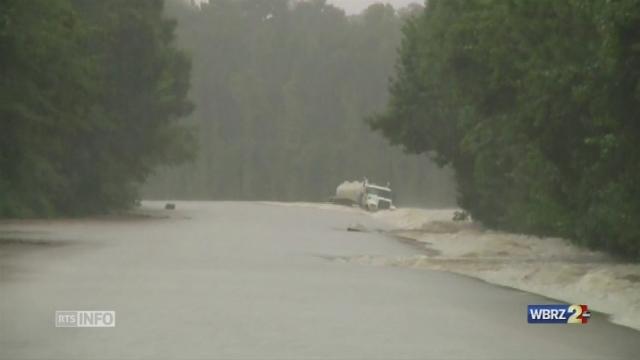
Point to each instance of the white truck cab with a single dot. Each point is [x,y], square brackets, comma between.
[364,194]
[377,197]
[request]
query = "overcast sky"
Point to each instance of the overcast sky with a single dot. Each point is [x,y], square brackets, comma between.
[355,6]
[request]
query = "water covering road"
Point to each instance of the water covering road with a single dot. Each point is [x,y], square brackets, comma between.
[251,280]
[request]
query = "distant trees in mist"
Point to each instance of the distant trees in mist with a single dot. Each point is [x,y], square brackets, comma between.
[281,92]
[93,93]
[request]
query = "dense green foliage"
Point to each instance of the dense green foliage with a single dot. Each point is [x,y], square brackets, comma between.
[89,98]
[535,105]
[281,91]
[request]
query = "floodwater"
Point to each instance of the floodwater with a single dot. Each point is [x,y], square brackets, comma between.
[549,266]
[221,280]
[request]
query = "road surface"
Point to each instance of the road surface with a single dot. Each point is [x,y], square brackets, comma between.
[247,280]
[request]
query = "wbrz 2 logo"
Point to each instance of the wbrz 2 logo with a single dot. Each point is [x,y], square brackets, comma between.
[558,314]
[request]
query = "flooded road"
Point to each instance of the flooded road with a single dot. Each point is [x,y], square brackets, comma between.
[224,280]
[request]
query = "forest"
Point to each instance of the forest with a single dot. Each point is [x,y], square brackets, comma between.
[522,111]
[90,99]
[280,91]
[534,104]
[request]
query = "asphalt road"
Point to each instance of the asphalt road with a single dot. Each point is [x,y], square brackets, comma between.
[248,280]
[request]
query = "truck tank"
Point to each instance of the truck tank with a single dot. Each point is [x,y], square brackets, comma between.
[350,191]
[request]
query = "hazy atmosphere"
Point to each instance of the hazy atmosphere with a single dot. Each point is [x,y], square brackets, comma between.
[357,6]
[282,117]
[319,179]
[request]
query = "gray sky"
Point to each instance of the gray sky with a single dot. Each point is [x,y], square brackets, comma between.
[355,6]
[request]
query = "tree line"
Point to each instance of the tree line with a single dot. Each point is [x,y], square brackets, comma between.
[281,89]
[535,106]
[89,101]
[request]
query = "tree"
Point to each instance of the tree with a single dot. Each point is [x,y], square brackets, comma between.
[92,94]
[528,102]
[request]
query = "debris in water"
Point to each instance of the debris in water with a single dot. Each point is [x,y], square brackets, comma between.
[357,228]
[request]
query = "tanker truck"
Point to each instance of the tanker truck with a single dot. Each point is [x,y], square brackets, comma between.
[368,196]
